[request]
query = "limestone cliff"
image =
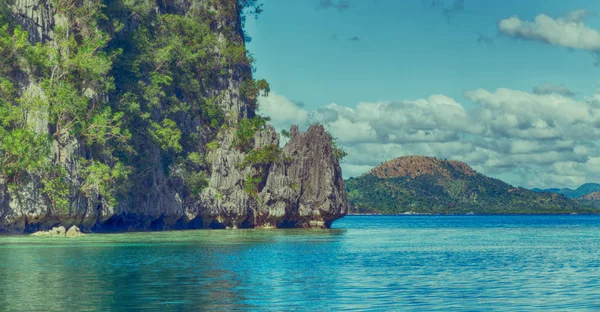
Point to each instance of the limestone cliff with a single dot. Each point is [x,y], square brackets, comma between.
[301,187]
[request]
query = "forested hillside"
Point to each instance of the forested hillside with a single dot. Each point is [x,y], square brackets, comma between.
[429,185]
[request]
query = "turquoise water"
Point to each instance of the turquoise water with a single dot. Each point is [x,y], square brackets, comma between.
[402,263]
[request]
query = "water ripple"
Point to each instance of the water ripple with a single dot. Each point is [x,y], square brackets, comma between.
[404,263]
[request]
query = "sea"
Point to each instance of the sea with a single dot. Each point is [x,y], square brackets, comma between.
[364,263]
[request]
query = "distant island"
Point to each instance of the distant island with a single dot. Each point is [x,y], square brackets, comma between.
[429,185]
[579,192]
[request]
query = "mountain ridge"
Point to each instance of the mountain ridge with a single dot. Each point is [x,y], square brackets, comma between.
[581,191]
[415,166]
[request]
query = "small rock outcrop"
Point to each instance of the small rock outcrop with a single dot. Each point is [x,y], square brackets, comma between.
[60,231]
[304,188]
[74,231]
[307,191]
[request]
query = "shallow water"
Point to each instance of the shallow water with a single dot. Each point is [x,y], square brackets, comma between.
[464,263]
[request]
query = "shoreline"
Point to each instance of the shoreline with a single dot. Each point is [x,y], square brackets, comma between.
[471,214]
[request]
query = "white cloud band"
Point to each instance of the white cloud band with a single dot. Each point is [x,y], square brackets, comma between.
[531,139]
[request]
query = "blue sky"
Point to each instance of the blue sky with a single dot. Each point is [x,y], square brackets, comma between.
[326,56]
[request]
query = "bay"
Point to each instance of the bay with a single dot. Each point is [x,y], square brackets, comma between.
[377,263]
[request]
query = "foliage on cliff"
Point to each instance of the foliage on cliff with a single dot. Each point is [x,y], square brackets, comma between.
[123,83]
[428,185]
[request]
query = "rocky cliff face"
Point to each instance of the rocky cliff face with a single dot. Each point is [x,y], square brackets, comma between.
[302,187]
[37,17]
[304,190]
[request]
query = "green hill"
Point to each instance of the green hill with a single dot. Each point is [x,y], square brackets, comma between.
[429,185]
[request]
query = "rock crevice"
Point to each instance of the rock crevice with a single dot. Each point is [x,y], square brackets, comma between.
[303,188]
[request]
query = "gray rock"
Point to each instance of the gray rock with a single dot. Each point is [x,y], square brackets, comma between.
[307,189]
[56,231]
[304,188]
[37,17]
[74,231]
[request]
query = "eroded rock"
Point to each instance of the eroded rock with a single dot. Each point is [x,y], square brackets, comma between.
[60,231]
[303,189]
[74,231]
[55,231]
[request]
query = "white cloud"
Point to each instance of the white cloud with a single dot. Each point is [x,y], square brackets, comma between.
[577,15]
[519,114]
[343,122]
[282,111]
[351,170]
[569,173]
[568,31]
[548,88]
[529,139]
[438,118]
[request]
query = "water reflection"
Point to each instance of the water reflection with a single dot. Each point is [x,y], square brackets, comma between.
[380,263]
[206,270]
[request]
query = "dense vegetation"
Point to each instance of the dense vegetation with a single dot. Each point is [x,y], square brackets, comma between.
[128,87]
[459,192]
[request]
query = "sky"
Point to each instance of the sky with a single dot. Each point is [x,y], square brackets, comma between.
[510,87]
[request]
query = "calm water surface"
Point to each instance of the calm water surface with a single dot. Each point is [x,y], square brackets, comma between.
[402,263]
